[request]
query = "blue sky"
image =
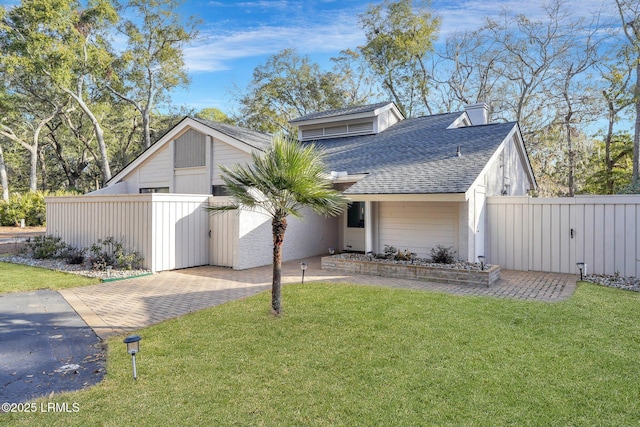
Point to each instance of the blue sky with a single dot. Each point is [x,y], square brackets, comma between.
[237,36]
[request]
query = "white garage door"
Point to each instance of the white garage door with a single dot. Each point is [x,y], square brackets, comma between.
[418,226]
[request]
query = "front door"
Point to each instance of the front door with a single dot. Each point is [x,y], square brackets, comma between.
[354,237]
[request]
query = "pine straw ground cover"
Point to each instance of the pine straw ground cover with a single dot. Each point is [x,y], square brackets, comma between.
[348,355]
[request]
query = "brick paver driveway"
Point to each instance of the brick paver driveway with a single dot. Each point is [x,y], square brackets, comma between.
[119,307]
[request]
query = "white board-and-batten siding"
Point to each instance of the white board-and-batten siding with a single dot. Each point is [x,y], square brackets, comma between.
[156,171]
[418,226]
[226,155]
[169,231]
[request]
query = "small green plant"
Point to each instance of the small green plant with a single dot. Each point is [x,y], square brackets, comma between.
[45,247]
[443,255]
[110,252]
[391,252]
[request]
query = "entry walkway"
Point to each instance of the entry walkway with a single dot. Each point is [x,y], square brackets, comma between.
[115,308]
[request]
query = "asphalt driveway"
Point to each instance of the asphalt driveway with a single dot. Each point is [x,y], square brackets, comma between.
[45,347]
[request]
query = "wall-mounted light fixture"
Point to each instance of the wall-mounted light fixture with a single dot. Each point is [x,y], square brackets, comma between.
[481,260]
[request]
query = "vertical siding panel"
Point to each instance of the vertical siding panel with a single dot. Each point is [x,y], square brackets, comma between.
[187,222]
[517,236]
[554,248]
[169,234]
[494,234]
[619,239]
[223,247]
[580,233]
[156,236]
[608,227]
[590,236]
[524,255]
[536,238]
[509,228]
[564,237]
[630,228]
[547,237]
[598,238]
[503,236]
[637,241]
[183,220]
[178,250]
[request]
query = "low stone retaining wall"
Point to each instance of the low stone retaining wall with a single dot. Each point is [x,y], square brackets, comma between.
[416,272]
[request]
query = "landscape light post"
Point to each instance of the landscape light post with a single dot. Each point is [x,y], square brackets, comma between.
[133,347]
[303,267]
[481,259]
[582,266]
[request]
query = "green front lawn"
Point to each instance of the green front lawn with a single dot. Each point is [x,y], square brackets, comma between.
[19,278]
[344,355]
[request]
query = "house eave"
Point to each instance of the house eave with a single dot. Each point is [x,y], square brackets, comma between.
[435,197]
[349,117]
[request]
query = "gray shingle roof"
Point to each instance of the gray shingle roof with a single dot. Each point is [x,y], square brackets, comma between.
[341,112]
[253,138]
[416,156]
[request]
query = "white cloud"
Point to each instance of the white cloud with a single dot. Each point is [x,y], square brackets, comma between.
[471,14]
[216,52]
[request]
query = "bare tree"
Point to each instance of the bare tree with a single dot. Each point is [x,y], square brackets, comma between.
[629,11]
[577,94]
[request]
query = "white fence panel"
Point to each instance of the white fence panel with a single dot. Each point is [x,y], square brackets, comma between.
[82,220]
[169,230]
[224,234]
[553,234]
[180,231]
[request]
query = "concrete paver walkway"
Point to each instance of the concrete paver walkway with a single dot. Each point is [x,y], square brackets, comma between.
[114,308]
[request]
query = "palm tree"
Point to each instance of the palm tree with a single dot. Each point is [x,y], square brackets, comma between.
[287,177]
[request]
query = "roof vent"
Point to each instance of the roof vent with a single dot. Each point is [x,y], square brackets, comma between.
[458,152]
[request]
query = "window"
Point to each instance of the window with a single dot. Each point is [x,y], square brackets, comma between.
[355,215]
[154,190]
[219,190]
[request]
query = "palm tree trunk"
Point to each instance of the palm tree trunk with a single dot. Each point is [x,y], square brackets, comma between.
[278,227]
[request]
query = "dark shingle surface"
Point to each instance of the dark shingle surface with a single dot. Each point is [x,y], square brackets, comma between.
[416,156]
[341,112]
[253,138]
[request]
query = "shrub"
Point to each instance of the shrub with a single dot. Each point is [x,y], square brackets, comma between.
[442,255]
[110,252]
[27,206]
[73,255]
[390,252]
[44,247]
